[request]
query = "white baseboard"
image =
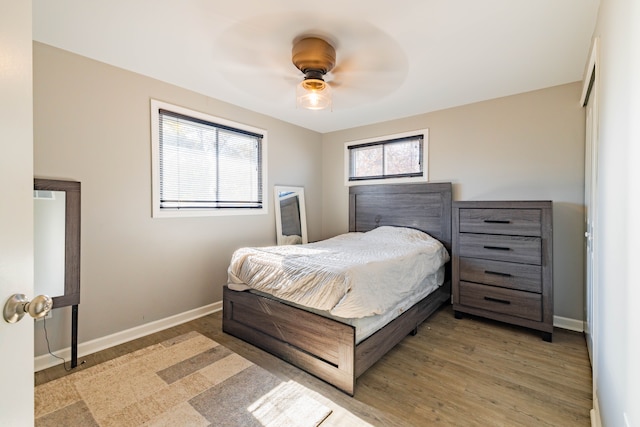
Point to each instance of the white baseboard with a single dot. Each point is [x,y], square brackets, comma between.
[46,360]
[596,421]
[570,324]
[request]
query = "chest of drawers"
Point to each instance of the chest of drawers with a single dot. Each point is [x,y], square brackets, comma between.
[502,263]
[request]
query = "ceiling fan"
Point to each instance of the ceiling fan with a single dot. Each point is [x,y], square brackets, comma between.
[315,57]
[264,56]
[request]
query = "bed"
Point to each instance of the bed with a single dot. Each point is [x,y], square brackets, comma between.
[328,347]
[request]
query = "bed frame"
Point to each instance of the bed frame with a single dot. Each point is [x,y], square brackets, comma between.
[325,347]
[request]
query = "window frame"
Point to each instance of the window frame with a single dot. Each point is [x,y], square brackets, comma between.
[157,211]
[424,177]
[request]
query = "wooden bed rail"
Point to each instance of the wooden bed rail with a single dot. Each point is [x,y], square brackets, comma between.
[320,346]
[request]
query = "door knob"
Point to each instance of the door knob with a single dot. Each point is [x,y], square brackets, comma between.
[18,304]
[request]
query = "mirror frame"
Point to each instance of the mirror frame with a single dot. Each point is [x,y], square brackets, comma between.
[72,239]
[301,205]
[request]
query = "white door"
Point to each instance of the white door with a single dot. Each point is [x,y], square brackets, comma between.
[16,209]
[590,201]
[589,198]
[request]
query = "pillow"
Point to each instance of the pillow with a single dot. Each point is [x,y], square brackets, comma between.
[396,232]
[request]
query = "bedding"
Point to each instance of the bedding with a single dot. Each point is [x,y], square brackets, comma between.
[366,326]
[353,275]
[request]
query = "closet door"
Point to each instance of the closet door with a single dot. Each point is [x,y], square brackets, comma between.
[590,191]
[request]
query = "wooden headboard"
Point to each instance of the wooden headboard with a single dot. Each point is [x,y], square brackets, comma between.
[426,207]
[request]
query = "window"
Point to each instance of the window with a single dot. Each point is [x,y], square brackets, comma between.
[394,158]
[204,165]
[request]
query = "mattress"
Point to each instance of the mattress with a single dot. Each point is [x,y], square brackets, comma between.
[351,276]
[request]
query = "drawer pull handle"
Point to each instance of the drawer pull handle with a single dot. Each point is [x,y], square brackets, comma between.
[501,301]
[497,221]
[497,248]
[497,273]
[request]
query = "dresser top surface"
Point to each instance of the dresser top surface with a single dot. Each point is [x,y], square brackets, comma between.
[503,204]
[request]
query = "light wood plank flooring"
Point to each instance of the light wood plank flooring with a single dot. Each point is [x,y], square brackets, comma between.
[467,372]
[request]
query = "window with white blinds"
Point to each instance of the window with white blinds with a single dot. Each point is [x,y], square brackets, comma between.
[393,158]
[205,165]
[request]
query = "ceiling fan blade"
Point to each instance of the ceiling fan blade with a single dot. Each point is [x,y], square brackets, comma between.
[256,56]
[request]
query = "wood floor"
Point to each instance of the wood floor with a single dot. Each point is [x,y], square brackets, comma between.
[467,372]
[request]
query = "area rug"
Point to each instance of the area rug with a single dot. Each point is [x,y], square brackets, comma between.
[189,380]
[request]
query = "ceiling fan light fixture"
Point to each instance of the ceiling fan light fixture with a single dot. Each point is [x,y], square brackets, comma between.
[315,57]
[313,94]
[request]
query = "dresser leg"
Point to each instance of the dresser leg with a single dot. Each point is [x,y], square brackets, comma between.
[414,332]
[547,336]
[457,315]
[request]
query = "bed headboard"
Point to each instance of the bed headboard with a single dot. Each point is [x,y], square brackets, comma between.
[426,207]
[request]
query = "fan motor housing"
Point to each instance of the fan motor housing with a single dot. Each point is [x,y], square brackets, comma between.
[313,54]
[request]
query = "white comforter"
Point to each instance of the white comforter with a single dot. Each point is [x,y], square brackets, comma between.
[352,275]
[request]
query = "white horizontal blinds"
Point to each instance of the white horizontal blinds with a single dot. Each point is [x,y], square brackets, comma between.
[395,158]
[239,171]
[205,165]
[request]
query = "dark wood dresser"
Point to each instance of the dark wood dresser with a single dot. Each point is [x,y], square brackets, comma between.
[502,264]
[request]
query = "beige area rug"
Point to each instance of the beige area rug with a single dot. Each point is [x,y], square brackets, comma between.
[190,380]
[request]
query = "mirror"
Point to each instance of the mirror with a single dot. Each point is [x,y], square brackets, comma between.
[291,220]
[48,241]
[57,240]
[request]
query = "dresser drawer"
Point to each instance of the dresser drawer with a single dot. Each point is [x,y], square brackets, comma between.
[524,277]
[525,250]
[519,222]
[526,305]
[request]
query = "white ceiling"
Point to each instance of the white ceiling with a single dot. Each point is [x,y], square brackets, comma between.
[394,58]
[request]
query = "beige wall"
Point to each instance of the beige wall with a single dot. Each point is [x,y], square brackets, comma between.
[91,124]
[524,147]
